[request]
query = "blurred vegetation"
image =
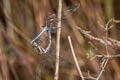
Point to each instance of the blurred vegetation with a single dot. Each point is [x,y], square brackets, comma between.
[23,20]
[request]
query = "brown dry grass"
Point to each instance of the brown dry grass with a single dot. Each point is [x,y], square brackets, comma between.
[22,20]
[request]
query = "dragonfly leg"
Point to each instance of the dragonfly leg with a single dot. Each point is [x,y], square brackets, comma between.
[49,41]
[44,30]
[39,48]
[43,50]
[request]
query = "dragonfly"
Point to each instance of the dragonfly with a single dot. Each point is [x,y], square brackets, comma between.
[51,26]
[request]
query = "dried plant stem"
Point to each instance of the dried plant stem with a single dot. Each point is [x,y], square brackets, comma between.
[107,42]
[58,41]
[106,46]
[105,63]
[115,44]
[75,59]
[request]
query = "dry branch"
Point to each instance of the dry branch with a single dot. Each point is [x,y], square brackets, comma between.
[110,42]
[106,41]
[75,58]
[58,41]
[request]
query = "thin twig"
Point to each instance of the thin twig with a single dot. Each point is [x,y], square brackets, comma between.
[75,59]
[105,60]
[105,41]
[58,41]
[105,63]
[115,44]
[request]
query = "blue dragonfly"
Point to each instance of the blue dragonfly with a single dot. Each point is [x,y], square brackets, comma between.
[51,27]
